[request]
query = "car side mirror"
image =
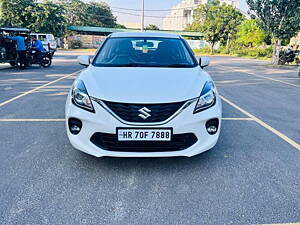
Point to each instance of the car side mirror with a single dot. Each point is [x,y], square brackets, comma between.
[84,60]
[204,61]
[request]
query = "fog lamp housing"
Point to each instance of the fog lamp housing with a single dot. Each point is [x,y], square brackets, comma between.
[212,126]
[75,126]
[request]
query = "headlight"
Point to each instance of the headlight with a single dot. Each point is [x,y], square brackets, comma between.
[80,96]
[207,98]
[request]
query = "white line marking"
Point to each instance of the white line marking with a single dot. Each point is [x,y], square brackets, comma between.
[282,224]
[235,118]
[37,88]
[268,127]
[32,120]
[62,120]
[253,74]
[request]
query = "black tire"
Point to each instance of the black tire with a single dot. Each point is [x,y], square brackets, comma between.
[282,60]
[21,66]
[13,64]
[47,61]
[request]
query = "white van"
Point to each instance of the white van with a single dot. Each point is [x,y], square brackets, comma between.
[48,40]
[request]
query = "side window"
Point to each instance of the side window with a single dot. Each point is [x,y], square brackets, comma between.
[33,36]
[42,38]
[51,37]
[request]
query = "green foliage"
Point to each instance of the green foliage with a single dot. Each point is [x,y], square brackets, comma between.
[250,34]
[80,13]
[151,27]
[16,12]
[74,12]
[205,50]
[195,26]
[120,26]
[280,17]
[255,52]
[217,22]
[99,15]
[75,44]
[264,53]
[46,16]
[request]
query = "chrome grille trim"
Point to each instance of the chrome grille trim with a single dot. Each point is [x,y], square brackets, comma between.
[185,105]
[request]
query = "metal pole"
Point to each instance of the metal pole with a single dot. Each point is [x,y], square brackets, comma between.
[143,15]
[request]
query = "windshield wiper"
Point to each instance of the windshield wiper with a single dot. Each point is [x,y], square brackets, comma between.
[178,65]
[131,65]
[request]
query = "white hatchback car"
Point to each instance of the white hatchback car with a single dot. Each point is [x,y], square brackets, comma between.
[143,95]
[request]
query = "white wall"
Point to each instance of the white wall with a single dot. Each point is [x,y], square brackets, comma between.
[197,44]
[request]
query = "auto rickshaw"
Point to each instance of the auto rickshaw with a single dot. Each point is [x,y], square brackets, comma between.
[8,51]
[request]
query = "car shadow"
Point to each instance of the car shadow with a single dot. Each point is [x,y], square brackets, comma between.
[198,162]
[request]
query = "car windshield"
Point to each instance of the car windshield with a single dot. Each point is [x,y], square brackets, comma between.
[144,52]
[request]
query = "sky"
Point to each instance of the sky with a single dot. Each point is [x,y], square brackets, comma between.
[137,4]
[149,4]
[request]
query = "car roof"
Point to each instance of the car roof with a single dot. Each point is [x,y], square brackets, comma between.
[145,34]
[11,29]
[39,34]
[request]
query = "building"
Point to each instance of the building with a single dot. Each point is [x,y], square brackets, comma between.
[182,14]
[132,25]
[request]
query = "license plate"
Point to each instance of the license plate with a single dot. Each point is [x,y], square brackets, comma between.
[137,134]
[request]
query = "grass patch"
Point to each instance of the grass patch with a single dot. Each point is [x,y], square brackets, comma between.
[253,53]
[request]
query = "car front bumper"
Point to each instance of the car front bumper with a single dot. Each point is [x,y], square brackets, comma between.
[102,121]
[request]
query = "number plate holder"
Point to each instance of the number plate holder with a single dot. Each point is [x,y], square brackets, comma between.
[144,134]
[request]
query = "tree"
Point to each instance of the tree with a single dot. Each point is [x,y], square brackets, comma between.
[120,26]
[193,27]
[79,13]
[17,13]
[250,34]
[42,16]
[279,17]
[74,12]
[99,14]
[217,22]
[151,27]
[48,18]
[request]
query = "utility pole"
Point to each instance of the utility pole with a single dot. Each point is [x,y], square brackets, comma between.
[143,15]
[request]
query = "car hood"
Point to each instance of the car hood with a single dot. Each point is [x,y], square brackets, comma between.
[144,85]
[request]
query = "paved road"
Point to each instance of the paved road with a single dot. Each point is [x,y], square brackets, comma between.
[252,176]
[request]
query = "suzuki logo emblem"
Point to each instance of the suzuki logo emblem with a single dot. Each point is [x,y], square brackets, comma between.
[144,113]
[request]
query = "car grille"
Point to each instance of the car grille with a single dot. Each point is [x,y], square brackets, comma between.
[130,112]
[110,142]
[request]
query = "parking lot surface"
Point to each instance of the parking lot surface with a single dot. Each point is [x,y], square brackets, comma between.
[252,175]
